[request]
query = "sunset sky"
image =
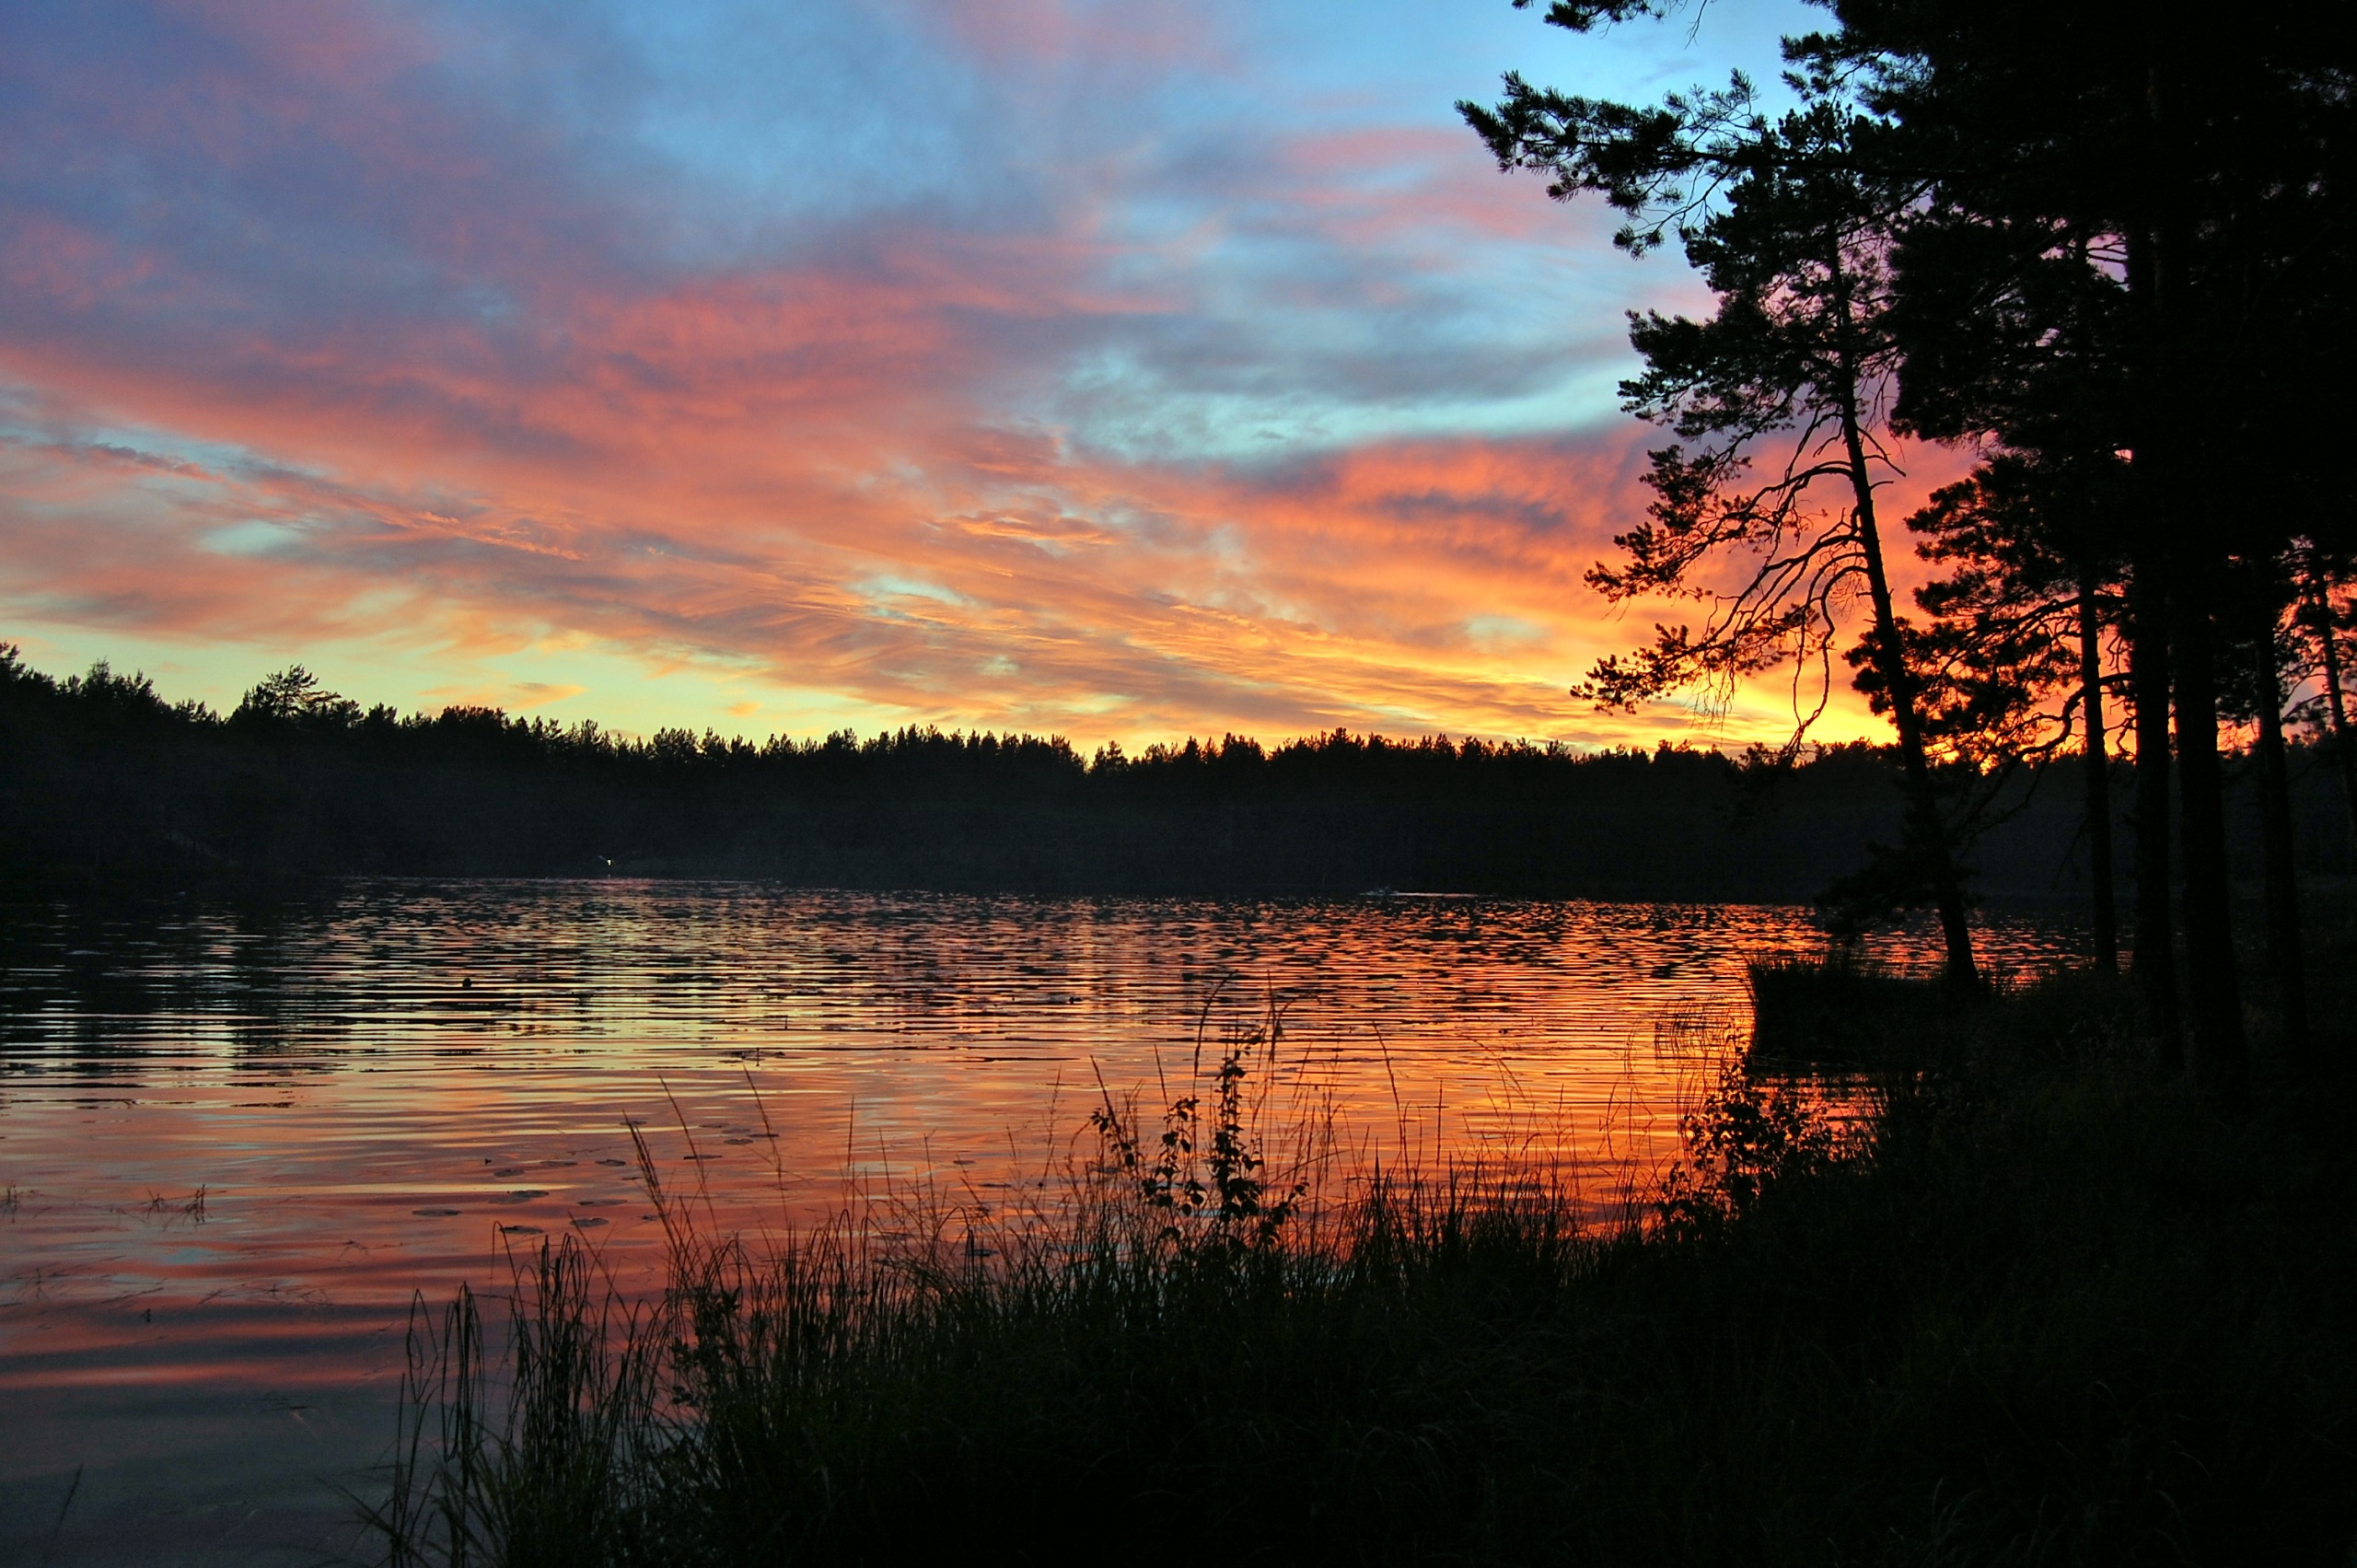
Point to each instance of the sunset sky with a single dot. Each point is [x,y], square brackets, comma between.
[1120,370]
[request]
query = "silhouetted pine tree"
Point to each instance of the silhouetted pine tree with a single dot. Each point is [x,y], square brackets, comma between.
[2204,166]
[1777,392]
[2013,653]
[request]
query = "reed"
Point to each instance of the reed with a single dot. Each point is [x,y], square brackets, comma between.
[2030,1307]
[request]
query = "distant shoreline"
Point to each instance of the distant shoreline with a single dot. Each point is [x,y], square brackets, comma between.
[107,785]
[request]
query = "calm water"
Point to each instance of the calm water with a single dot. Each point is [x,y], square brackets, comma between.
[235,1143]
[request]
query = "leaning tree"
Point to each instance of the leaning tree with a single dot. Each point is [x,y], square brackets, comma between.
[1764,509]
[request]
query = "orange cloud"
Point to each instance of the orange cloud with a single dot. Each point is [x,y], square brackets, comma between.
[1198,430]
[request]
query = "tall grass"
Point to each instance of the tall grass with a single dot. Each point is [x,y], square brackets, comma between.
[1842,1010]
[2031,1307]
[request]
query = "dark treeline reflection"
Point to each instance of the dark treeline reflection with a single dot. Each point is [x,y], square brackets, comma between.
[102,778]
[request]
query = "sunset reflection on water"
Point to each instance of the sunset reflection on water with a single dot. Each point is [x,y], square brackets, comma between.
[235,1142]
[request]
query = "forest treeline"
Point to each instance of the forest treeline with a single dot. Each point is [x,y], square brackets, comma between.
[105,780]
[2105,250]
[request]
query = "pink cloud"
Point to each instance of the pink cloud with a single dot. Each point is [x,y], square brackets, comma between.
[857,462]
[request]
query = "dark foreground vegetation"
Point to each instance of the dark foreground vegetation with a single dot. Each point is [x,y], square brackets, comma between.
[104,782]
[2039,1306]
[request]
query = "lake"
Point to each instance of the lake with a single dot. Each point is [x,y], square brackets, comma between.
[236,1141]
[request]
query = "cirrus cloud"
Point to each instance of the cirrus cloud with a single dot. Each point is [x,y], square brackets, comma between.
[1081,385]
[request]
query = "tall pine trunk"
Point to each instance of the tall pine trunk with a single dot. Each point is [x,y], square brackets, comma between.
[2214,988]
[2154,965]
[2166,394]
[2319,618]
[2098,766]
[1926,832]
[2283,953]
